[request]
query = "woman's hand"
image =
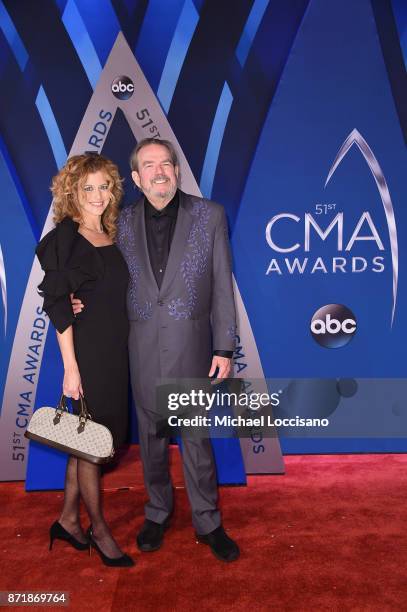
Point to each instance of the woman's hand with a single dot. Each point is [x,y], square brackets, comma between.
[72,386]
[77,305]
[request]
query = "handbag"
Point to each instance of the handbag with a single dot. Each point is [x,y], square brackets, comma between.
[77,435]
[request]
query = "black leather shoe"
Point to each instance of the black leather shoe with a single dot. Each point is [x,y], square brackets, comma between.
[223,547]
[151,535]
[57,532]
[123,561]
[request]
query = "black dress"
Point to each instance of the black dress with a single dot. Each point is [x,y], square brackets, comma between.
[98,276]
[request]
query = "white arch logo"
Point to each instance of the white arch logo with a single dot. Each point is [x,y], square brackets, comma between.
[355,138]
[3,287]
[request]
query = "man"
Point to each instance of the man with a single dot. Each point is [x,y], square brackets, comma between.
[182,325]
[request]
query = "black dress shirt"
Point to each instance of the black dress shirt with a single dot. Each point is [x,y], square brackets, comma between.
[160,228]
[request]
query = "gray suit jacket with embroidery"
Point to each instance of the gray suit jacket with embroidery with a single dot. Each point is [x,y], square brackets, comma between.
[175,328]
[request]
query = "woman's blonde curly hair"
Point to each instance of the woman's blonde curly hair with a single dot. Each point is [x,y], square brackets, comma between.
[70,179]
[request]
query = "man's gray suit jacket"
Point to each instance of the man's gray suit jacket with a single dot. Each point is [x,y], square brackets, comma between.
[175,329]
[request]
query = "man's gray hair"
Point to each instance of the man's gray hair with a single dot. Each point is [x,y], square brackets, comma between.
[149,141]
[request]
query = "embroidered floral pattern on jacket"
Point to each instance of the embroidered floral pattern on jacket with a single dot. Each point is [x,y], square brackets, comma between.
[195,261]
[126,242]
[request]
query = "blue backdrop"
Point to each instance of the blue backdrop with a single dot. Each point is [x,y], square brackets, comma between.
[261,98]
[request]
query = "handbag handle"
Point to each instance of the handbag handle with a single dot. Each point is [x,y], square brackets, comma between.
[84,414]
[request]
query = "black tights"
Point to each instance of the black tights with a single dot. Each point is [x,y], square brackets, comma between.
[83,481]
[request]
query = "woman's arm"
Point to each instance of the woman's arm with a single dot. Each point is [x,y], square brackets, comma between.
[72,385]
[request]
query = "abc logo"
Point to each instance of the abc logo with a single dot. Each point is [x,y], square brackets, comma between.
[123,88]
[333,325]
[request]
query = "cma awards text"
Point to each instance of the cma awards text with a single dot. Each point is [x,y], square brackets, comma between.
[282,225]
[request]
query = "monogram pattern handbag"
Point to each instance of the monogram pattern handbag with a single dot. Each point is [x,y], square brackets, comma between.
[77,435]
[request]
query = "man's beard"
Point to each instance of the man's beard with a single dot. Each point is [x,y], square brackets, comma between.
[165,194]
[162,195]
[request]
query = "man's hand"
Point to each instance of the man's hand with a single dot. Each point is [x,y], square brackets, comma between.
[77,305]
[224,365]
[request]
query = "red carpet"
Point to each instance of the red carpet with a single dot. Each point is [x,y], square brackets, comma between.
[329,535]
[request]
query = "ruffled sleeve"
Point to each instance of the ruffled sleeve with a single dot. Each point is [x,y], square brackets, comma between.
[69,261]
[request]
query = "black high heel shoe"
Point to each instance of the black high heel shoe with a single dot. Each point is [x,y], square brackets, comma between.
[123,561]
[57,532]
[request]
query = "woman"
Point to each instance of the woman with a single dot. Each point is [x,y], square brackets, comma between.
[79,257]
